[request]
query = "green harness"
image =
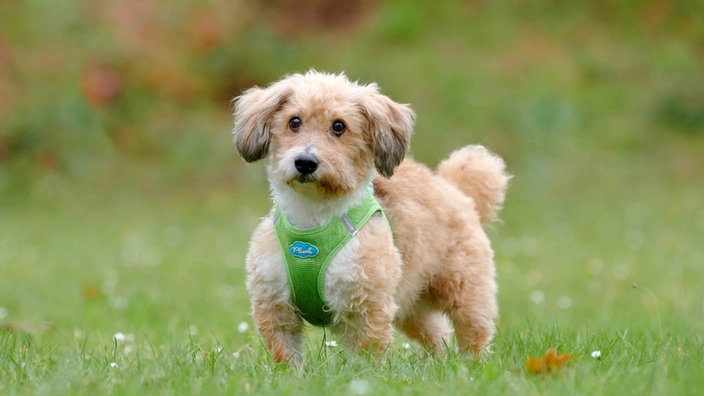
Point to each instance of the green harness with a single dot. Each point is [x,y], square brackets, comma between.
[308,252]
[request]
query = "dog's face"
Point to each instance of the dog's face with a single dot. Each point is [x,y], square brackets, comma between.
[324,134]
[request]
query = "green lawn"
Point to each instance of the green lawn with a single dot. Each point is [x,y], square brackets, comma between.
[123,229]
[618,271]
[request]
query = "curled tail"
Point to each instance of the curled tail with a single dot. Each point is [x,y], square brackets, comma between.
[480,174]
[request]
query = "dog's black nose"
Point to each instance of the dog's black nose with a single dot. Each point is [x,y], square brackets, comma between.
[306,164]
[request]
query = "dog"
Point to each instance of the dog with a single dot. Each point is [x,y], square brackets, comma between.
[419,260]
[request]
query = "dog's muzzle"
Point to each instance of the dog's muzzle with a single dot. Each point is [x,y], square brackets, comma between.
[306,164]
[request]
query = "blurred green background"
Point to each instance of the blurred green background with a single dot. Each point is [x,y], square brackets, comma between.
[124,206]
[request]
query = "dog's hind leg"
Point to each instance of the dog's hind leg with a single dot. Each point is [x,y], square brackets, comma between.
[466,290]
[427,326]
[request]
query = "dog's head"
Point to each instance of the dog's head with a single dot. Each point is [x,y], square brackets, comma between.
[322,130]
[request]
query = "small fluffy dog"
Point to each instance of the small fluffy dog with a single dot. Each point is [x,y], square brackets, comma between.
[414,255]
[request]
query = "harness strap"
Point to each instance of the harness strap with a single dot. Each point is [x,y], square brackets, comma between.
[349,225]
[308,252]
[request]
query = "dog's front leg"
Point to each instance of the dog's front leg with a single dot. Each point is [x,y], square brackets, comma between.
[275,318]
[369,328]
[377,324]
[379,273]
[281,328]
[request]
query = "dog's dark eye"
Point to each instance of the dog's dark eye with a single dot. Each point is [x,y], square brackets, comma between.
[338,127]
[295,124]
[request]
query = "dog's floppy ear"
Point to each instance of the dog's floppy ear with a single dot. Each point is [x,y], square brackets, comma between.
[391,125]
[254,110]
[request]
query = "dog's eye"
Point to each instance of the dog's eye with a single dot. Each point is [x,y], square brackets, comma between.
[295,124]
[338,128]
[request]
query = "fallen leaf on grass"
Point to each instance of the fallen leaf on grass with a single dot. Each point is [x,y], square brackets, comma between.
[533,365]
[91,292]
[549,362]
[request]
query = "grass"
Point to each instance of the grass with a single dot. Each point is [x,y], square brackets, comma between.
[123,229]
[166,269]
[629,364]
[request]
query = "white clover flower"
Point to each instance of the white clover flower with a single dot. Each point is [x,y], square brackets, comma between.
[331,343]
[406,345]
[118,302]
[537,297]
[235,355]
[596,354]
[123,337]
[242,327]
[113,364]
[359,386]
[564,302]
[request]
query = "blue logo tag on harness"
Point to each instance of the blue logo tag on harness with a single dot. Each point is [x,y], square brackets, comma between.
[302,250]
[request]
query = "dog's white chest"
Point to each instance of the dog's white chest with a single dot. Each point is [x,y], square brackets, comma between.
[342,277]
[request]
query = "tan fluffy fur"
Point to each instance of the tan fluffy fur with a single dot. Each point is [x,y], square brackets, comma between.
[434,267]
